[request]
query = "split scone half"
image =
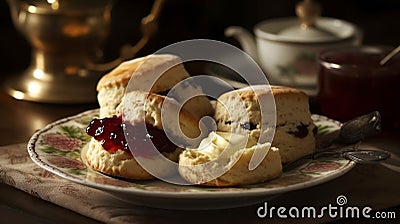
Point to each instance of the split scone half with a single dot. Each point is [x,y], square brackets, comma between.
[294,134]
[142,110]
[222,159]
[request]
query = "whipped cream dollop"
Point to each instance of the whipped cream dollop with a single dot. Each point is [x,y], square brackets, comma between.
[225,144]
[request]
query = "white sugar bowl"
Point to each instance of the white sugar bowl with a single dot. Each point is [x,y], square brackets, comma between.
[287,48]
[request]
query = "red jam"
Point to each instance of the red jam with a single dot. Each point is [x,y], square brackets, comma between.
[353,83]
[110,133]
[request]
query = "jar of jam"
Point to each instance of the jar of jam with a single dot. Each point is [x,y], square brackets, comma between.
[351,82]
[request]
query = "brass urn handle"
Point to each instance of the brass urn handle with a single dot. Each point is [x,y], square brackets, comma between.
[149,26]
[308,11]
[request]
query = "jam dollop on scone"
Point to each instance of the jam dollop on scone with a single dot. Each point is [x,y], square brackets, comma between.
[127,110]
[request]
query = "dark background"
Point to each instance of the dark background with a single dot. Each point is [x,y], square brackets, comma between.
[190,19]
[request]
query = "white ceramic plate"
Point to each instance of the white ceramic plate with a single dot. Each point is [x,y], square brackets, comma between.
[57,148]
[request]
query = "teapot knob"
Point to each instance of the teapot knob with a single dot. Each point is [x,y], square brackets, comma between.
[308,11]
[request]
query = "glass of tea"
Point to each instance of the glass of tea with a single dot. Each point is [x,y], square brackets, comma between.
[351,82]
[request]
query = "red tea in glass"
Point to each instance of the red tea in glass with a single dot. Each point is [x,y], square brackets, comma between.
[351,83]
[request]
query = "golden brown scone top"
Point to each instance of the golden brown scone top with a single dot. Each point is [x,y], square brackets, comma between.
[249,92]
[123,72]
[277,90]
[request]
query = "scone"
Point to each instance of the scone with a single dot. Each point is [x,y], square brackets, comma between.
[294,128]
[223,160]
[110,153]
[121,163]
[144,74]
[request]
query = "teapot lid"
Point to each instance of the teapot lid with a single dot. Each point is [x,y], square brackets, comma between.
[307,29]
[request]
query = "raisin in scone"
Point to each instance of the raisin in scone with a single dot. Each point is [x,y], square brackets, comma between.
[294,128]
[144,74]
[110,153]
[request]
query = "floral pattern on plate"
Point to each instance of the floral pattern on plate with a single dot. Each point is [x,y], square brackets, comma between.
[57,148]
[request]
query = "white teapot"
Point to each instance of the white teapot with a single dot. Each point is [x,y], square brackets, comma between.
[286,48]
